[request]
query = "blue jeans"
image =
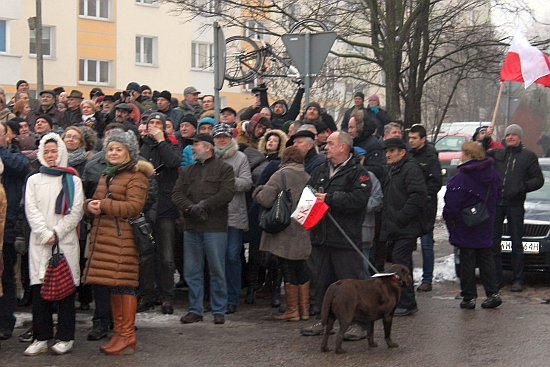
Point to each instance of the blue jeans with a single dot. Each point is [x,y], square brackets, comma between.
[428,257]
[196,246]
[233,272]
[515,215]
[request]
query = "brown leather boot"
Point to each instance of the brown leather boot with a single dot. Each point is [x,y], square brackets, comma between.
[303,300]
[291,294]
[116,310]
[126,342]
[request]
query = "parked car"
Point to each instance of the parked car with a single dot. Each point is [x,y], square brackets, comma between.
[536,230]
[449,147]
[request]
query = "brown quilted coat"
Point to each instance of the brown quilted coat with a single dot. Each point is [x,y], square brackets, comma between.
[113,259]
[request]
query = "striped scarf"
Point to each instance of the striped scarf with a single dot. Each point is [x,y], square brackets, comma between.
[64,201]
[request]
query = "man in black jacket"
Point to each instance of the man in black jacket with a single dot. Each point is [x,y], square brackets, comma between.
[426,155]
[344,184]
[165,157]
[281,113]
[404,195]
[521,173]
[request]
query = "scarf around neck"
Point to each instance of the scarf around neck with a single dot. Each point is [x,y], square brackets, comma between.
[76,157]
[112,170]
[65,199]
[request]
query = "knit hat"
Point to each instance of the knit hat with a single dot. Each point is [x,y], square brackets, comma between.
[133,86]
[190,119]
[478,130]
[158,116]
[19,82]
[315,105]
[514,129]
[374,97]
[359,94]
[286,126]
[222,129]
[206,120]
[320,126]
[166,95]
[48,118]
[126,138]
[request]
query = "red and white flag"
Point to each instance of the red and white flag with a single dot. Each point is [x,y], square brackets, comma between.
[310,210]
[525,63]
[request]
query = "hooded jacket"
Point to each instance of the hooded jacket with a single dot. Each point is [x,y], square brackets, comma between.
[40,201]
[468,187]
[277,121]
[113,259]
[245,131]
[238,213]
[375,160]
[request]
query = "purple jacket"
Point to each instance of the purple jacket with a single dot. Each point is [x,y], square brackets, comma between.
[468,187]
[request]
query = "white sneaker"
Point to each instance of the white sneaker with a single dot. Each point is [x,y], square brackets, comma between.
[63,347]
[37,347]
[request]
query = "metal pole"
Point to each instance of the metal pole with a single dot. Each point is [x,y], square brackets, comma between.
[508,103]
[307,67]
[38,40]
[216,75]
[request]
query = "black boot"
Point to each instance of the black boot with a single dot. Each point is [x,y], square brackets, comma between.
[250,295]
[276,288]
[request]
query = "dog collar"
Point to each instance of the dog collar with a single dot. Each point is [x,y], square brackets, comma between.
[396,278]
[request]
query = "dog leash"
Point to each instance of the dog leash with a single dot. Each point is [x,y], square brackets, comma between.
[351,242]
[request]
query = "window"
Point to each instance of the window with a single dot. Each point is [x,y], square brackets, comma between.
[146,50]
[202,56]
[254,29]
[209,5]
[96,9]
[47,42]
[3,35]
[95,71]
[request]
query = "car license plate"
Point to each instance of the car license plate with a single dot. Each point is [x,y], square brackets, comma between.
[455,161]
[528,247]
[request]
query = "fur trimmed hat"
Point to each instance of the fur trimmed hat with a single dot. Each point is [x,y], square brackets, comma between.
[128,139]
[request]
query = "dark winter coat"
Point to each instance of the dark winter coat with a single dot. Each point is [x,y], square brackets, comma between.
[428,159]
[176,115]
[520,172]
[57,116]
[113,259]
[168,154]
[213,184]
[405,194]
[468,187]
[348,192]
[293,242]
[375,160]
[277,121]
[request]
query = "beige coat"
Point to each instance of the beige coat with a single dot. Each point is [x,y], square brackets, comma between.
[293,242]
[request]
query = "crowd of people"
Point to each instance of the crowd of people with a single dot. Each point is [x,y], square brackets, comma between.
[77,171]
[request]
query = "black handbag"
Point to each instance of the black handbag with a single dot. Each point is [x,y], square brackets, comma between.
[143,235]
[476,214]
[277,218]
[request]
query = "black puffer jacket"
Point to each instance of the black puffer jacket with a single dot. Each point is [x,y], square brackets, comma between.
[520,172]
[348,193]
[404,196]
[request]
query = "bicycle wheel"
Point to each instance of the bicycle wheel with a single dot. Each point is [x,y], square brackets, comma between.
[242,59]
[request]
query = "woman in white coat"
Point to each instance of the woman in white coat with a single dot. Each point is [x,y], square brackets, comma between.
[53,205]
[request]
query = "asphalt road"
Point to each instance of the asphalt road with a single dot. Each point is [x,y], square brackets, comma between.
[440,334]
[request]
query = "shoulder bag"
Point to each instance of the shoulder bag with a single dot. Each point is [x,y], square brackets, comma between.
[476,214]
[277,218]
[143,235]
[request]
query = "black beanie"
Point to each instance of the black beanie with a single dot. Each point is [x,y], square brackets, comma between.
[19,82]
[190,119]
[166,95]
[47,118]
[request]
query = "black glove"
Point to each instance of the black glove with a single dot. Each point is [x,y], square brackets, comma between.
[198,211]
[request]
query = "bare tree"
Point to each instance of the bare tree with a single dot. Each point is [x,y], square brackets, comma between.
[400,45]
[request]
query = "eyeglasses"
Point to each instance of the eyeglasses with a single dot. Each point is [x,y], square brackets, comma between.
[72,137]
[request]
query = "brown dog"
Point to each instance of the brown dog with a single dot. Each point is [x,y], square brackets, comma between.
[370,300]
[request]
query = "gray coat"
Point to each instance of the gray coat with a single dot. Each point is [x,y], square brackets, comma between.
[238,212]
[293,242]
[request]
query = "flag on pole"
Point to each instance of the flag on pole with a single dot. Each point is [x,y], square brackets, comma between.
[525,63]
[310,210]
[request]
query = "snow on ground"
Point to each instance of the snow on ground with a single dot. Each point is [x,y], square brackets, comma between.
[444,270]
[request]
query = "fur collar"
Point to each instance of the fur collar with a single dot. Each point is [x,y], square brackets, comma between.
[282,141]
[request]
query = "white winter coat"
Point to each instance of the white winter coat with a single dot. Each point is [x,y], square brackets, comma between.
[40,196]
